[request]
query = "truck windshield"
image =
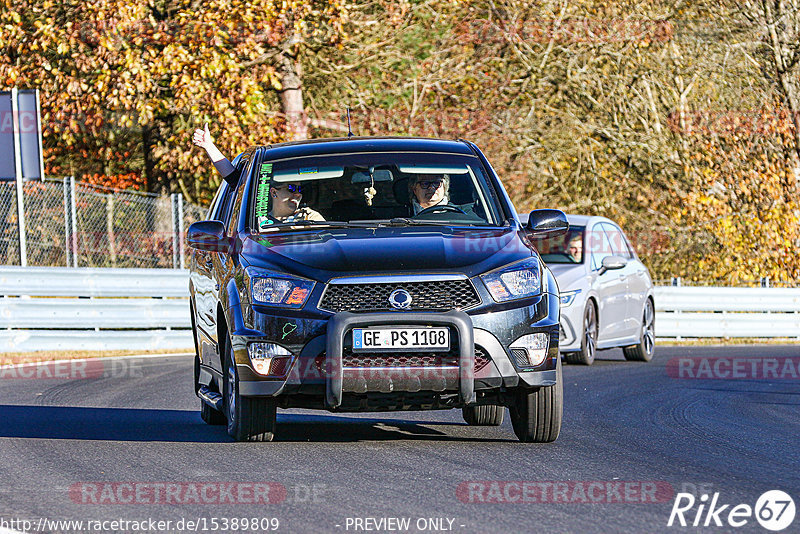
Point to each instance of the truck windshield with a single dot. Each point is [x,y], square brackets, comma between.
[373,188]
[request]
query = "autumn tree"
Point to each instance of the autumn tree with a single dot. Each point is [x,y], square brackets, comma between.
[570,101]
[594,107]
[737,217]
[138,77]
[778,25]
[677,119]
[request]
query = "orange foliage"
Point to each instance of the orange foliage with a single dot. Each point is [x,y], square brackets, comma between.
[119,76]
[130,180]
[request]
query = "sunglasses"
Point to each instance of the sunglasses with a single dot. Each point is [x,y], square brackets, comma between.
[429,184]
[292,188]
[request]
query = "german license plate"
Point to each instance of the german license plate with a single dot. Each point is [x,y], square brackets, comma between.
[399,338]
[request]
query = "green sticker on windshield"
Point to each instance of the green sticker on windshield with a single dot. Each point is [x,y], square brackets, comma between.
[262,195]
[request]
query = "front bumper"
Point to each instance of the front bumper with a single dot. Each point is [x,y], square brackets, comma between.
[571,326]
[337,377]
[335,385]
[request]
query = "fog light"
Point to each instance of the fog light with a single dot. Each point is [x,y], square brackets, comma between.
[269,359]
[534,345]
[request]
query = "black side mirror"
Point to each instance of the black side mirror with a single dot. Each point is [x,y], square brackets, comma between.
[547,223]
[209,236]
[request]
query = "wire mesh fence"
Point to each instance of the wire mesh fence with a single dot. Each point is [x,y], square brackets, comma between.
[9,229]
[44,223]
[80,225]
[193,213]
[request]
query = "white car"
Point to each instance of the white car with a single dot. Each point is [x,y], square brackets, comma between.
[606,293]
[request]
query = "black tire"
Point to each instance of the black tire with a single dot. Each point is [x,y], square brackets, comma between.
[248,418]
[488,415]
[211,416]
[536,415]
[588,338]
[646,348]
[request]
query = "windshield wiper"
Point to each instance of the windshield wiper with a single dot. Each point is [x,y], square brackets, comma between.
[304,223]
[395,222]
[405,221]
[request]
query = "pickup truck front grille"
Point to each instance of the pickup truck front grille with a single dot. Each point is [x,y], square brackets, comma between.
[438,295]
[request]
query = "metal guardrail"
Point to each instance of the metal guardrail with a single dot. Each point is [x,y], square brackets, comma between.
[68,282]
[63,340]
[57,308]
[98,313]
[727,312]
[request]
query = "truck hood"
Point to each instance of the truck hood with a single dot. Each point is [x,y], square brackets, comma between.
[320,254]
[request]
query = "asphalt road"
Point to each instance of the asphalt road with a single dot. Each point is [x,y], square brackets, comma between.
[630,427]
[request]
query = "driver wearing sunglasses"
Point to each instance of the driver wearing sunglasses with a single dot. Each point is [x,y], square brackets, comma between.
[428,190]
[286,198]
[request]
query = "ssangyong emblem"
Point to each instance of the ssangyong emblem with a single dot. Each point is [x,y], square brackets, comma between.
[400,299]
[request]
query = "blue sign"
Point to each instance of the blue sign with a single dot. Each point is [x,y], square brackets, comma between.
[20,135]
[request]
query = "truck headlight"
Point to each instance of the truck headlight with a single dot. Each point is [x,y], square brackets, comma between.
[280,290]
[516,281]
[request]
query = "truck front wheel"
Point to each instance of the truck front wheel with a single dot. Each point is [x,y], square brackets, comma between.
[536,415]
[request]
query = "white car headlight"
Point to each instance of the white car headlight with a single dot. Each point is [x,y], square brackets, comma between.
[567,297]
[516,281]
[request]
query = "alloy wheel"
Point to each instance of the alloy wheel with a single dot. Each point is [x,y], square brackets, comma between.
[648,327]
[590,331]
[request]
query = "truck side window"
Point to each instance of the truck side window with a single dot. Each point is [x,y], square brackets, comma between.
[226,205]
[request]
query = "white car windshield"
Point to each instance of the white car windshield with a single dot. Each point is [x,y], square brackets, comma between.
[567,248]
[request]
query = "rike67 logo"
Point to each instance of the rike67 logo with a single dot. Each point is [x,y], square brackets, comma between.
[774,510]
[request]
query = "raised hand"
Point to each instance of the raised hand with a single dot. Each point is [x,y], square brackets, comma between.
[202,138]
